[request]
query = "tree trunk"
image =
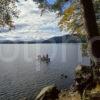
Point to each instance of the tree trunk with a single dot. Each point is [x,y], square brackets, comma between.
[92,29]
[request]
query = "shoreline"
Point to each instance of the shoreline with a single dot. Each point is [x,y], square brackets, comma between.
[85,88]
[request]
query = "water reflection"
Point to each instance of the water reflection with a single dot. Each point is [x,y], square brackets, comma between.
[23,75]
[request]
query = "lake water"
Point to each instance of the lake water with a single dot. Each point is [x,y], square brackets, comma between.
[22,75]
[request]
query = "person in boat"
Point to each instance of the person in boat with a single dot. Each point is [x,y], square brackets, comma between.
[44,58]
[47,58]
[41,57]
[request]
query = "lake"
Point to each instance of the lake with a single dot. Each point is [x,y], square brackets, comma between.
[23,75]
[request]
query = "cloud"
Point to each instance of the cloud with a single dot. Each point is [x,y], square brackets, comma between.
[30,25]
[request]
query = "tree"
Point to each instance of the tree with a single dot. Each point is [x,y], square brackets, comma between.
[92,29]
[73,18]
[57,6]
[77,24]
[7,11]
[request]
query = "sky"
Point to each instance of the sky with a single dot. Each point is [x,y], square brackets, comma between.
[30,25]
[66,5]
[51,1]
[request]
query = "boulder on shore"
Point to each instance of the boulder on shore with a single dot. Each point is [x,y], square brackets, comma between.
[48,93]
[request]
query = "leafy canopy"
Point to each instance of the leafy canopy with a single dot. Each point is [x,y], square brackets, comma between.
[7,11]
[73,16]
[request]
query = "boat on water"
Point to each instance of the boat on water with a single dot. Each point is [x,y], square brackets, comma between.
[44,58]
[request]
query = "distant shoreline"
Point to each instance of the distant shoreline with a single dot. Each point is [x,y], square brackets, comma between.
[57,39]
[34,43]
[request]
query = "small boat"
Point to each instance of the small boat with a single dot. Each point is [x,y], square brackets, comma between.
[43,58]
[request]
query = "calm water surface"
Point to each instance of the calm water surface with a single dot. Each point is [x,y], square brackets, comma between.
[22,75]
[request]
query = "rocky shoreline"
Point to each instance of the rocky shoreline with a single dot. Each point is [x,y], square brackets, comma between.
[52,93]
[84,88]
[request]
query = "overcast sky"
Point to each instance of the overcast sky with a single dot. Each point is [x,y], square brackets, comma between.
[30,25]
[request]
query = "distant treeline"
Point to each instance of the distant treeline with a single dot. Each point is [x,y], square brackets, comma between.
[57,39]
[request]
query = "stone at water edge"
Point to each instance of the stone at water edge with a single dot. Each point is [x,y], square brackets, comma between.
[24,98]
[78,68]
[49,92]
[82,69]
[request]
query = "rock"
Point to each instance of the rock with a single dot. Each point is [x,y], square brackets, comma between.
[67,95]
[83,77]
[48,93]
[24,98]
[80,69]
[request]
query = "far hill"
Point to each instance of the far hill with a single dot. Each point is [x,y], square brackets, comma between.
[57,39]
[65,39]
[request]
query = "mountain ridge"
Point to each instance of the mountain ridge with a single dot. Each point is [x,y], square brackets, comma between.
[56,39]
